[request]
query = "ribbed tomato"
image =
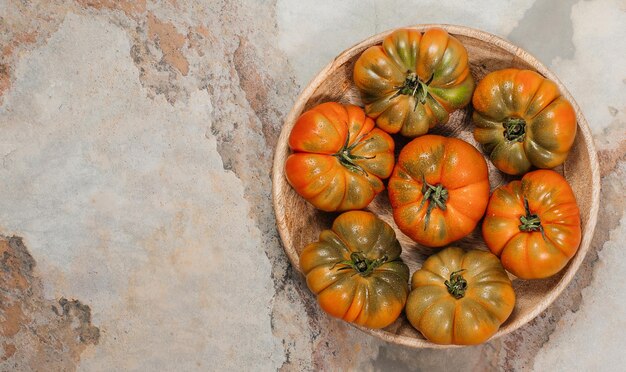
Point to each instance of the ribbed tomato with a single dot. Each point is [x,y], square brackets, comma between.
[356,271]
[438,190]
[339,157]
[414,80]
[460,298]
[533,225]
[522,120]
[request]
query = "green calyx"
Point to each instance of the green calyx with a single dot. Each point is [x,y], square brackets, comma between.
[414,87]
[435,195]
[514,129]
[348,160]
[360,264]
[457,285]
[530,222]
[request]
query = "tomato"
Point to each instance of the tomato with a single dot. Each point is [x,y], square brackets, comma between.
[439,189]
[413,81]
[533,225]
[522,121]
[339,157]
[460,297]
[356,271]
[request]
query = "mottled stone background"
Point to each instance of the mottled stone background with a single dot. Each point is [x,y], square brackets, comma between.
[136,141]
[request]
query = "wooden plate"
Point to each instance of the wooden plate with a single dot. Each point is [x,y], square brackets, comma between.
[299,223]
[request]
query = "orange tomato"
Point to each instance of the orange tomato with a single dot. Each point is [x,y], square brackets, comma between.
[460,298]
[533,225]
[339,157]
[356,271]
[438,190]
[522,121]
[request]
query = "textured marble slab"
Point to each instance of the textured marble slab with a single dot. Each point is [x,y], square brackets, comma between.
[136,141]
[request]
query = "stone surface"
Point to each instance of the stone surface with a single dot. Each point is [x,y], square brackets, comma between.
[135,203]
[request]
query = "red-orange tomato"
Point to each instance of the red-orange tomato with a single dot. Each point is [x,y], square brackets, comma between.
[438,190]
[339,157]
[533,225]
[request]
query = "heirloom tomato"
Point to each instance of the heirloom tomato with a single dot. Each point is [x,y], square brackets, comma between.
[460,297]
[414,80]
[533,225]
[438,190]
[356,271]
[522,121]
[339,157]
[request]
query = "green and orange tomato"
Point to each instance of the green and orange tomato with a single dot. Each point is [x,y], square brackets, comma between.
[438,190]
[460,297]
[533,224]
[414,80]
[339,158]
[522,120]
[356,271]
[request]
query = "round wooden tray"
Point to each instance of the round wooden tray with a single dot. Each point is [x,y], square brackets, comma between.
[299,223]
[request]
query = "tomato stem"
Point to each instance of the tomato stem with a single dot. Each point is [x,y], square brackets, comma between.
[361,264]
[457,285]
[436,195]
[530,221]
[414,87]
[514,129]
[348,160]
